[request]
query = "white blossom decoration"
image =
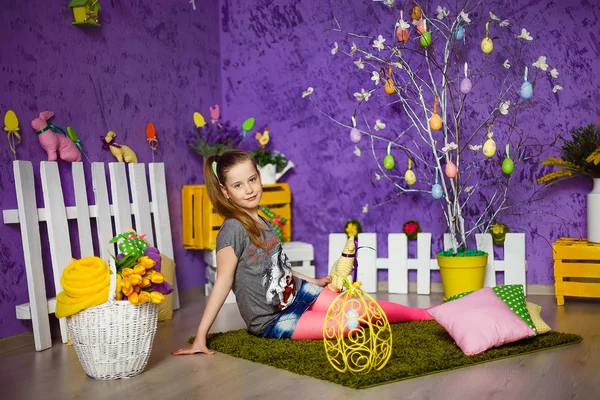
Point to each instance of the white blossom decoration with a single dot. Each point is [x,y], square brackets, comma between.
[308,92]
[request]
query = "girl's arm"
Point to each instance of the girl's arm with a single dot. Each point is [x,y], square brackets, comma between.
[226,265]
[321,281]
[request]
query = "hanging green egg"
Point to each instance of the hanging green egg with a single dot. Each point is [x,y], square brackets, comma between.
[425,39]
[508,166]
[388,162]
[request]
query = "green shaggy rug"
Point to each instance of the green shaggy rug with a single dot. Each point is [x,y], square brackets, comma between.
[419,348]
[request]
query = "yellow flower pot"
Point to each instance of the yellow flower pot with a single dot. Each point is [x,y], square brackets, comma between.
[461,274]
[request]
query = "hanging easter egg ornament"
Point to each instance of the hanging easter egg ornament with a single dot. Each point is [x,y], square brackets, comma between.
[369,344]
[415,12]
[425,39]
[388,160]
[11,126]
[450,170]
[199,120]
[151,136]
[487,45]
[402,29]
[436,191]
[389,87]
[435,122]
[526,88]
[489,147]
[247,126]
[466,85]
[459,33]
[355,135]
[409,175]
[73,136]
[421,26]
[508,165]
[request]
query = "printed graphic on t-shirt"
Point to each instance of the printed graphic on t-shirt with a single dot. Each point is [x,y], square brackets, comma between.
[278,280]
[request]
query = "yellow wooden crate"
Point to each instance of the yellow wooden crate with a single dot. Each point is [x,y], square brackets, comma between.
[201,223]
[576,268]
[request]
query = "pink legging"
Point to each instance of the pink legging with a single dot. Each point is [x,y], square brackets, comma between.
[310,324]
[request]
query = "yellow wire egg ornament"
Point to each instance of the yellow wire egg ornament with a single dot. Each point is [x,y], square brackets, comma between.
[11,126]
[369,342]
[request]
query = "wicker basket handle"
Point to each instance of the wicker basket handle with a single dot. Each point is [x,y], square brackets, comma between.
[113,281]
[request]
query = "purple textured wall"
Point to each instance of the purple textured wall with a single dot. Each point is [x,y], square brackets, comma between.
[150,61]
[273,50]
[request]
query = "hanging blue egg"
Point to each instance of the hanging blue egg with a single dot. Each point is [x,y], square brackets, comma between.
[436,191]
[526,90]
[459,33]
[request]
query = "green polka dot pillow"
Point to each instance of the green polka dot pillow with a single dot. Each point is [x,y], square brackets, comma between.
[514,297]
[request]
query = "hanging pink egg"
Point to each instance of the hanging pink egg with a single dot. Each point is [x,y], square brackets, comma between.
[465,86]
[421,27]
[355,135]
[451,170]
[402,34]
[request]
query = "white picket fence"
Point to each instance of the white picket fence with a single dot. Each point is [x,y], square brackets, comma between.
[56,215]
[398,264]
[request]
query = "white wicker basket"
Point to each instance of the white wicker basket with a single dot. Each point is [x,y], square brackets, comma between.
[114,340]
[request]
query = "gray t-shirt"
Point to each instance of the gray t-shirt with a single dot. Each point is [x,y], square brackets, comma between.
[263,283]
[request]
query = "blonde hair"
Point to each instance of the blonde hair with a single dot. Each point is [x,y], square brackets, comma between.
[226,208]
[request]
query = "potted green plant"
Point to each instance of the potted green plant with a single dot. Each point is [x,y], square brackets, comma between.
[580,156]
[272,164]
[214,138]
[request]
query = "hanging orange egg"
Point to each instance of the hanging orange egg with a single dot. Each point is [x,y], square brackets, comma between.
[389,86]
[435,122]
[402,34]
[415,12]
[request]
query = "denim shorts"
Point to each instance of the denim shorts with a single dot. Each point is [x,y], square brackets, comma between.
[283,326]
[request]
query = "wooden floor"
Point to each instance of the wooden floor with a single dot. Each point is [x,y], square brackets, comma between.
[571,372]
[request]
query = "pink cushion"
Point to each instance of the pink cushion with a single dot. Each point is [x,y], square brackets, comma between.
[480,321]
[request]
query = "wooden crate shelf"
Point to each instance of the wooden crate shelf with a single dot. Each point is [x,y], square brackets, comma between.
[576,268]
[201,223]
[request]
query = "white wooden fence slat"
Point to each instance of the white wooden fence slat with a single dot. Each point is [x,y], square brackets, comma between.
[485,243]
[514,260]
[397,263]
[162,219]
[58,228]
[103,220]
[140,203]
[367,261]
[424,260]
[84,228]
[32,253]
[120,197]
[336,246]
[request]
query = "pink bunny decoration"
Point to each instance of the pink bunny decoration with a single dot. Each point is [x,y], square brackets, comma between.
[52,141]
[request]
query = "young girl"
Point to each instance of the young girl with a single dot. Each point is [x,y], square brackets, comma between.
[274,300]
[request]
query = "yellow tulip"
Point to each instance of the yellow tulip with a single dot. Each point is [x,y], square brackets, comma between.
[134,298]
[144,297]
[145,283]
[119,294]
[135,279]
[138,269]
[156,297]
[157,277]
[136,289]
[127,290]
[126,272]
[146,262]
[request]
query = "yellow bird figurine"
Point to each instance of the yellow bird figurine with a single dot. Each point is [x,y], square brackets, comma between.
[342,268]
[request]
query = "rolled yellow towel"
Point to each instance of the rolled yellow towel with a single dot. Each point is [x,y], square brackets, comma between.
[85,284]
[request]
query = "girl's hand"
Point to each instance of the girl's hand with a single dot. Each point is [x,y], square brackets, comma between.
[323,281]
[193,350]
